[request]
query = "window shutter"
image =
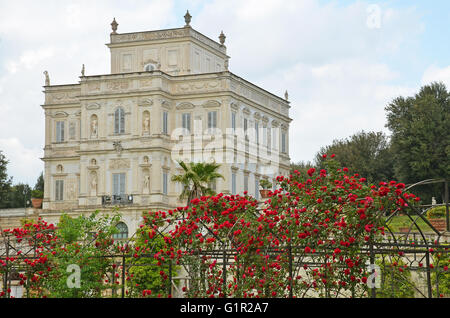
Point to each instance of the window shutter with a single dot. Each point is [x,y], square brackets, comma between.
[116,121]
[122,121]
[57,190]
[122,183]
[115,184]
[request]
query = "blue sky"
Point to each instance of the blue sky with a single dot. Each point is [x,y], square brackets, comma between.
[339,69]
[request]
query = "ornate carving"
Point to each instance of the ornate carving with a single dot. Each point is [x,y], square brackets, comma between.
[114,26]
[187,18]
[93,106]
[118,164]
[95,86]
[94,126]
[63,97]
[117,85]
[211,103]
[93,183]
[146,123]
[118,147]
[185,105]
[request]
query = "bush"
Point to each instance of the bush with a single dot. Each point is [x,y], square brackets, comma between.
[436,213]
[37,194]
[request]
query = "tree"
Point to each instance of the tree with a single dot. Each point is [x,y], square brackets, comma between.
[5,182]
[18,195]
[368,153]
[196,179]
[39,183]
[420,138]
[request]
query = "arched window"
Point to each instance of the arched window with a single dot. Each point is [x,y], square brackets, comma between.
[123,231]
[119,121]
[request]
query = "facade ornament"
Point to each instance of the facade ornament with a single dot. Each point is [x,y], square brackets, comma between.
[222,38]
[82,70]
[114,25]
[226,64]
[187,19]
[118,147]
[146,124]
[286,95]
[47,78]
[93,183]
[94,127]
[146,183]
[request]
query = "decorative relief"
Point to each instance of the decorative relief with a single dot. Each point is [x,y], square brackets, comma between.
[211,103]
[93,106]
[202,86]
[185,105]
[92,87]
[64,97]
[148,36]
[145,83]
[119,164]
[117,85]
[146,101]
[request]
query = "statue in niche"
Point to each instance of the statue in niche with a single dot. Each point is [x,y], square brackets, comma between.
[146,161]
[146,188]
[146,124]
[93,183]
[94,126]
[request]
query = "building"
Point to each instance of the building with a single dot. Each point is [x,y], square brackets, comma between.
[114,139]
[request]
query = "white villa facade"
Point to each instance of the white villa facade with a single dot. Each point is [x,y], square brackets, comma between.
[114,139]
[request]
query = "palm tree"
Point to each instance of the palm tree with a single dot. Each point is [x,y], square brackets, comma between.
[196,179]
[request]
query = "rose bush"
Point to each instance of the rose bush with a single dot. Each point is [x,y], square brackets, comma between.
[307,239]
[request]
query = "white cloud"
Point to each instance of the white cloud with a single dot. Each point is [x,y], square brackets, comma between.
[24,163]
[335,67]
[436,74]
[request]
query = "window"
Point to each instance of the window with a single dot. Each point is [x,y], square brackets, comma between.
[233,183]
[119,121]
[186,121]
[59,131]
[59,190]
[283,143]
[256,188]
[165,182]
[233,122]
[212,185]
[257,132]
[245,182]
[119,183]
[165,126]
[123,231]
[212,119]
[245,125]
[274,139]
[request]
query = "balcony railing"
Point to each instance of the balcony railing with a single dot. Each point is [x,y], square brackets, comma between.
[117,199]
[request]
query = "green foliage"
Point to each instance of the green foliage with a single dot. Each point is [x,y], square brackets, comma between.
[437,212]
[40,183]
[420,139]
[18,196]
[145,272]
[367,153]
[395,279]
[83,242]
[37,194]
[5,182]
[265,184]
[196,178]
[441,274]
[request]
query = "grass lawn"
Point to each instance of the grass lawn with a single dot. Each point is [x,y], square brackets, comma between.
[403,221]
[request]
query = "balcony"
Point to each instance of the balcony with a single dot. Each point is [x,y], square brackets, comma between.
[117,199]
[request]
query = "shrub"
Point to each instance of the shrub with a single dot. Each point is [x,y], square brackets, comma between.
[436,213]
[37,194]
